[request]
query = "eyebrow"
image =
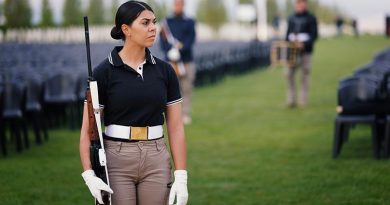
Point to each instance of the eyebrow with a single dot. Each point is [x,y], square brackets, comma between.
[149,19]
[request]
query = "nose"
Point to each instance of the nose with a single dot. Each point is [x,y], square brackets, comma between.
[153,27]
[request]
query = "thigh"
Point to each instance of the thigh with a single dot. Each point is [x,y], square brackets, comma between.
[125,192]
[152,193]
[289,71]
[155,186]
[190,68]
[122,167]
[306,63]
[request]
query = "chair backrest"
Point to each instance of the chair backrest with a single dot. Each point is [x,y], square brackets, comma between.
[82,84]
[358,89]
[33,95]
[60,88]
[13,99]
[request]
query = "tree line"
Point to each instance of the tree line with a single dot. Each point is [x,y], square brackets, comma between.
[212,12]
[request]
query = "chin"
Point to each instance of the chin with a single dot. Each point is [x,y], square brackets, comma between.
[148,45]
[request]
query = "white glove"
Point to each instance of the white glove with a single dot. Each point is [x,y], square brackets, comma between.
[95,185]
[179,188]
[173,54]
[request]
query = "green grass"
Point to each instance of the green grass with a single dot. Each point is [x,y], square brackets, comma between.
[244,146]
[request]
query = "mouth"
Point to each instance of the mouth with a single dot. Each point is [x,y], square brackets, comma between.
[154,36]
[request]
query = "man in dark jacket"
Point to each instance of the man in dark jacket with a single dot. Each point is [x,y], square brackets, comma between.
[177,39]
[302,31]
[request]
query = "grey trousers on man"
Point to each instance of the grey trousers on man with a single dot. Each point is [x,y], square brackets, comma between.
[186,85]
[139,172]
[304,63]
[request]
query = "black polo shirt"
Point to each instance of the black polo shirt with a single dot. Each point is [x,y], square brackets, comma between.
[131,99]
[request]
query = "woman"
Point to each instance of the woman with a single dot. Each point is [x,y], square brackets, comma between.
[137,90]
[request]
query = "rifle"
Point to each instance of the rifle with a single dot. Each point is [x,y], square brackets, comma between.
[97,152]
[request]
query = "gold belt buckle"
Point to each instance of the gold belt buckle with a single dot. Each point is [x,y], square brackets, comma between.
[139,133]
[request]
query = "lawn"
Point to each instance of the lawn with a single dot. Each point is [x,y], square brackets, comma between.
[244,146]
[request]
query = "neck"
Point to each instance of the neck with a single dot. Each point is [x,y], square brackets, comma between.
[179,14]
[132,54]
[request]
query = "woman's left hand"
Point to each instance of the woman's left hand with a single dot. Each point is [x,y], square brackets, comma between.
[179,188]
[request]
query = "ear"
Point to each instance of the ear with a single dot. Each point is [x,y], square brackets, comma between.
[126,30]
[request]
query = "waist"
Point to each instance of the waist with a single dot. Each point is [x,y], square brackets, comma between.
[131,133]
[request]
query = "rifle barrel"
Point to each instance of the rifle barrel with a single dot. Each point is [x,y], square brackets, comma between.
[88,47]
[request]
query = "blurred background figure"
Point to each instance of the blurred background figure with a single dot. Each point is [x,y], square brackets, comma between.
[339,25]
[177,40]
[355,29]
[302,30]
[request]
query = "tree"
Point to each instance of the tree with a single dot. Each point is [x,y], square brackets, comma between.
[72,13]
[272,10]
[17,13]
[112,11]
[159,9]
[47,15]
[1,13]
[212,13]
[96,12]
[324,13]
[289,7]
[246,2]
[313,5]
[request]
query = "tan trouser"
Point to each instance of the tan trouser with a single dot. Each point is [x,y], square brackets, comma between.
[139,172]
[186,85]
[305,64]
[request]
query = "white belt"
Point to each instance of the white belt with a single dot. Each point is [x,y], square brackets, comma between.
[134,133]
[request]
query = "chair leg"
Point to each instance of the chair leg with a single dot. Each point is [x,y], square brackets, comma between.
[345,132]
[44,128]
[338,138]
[3,140]
[23,125]
[36,123]
[375,141]
[15,129]
[387,140]
[72,117]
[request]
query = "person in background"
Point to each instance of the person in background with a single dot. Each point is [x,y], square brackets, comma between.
[339,25]
[302,31]
[354,25]
[177,40]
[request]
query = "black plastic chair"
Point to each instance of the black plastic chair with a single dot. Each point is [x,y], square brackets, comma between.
[2,127]
[359,103]
[60,98]
[12,113]
[343,123]
[34,110]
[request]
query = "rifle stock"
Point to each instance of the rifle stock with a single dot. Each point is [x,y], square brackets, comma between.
[93,132]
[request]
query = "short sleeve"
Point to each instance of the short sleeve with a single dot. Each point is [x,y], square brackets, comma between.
[100,75]
[173,90]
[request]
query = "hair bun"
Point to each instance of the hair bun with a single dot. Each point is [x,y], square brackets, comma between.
[116,33]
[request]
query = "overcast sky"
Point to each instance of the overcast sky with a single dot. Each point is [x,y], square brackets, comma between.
[370,13]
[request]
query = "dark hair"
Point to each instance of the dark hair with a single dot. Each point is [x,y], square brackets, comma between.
[126,14]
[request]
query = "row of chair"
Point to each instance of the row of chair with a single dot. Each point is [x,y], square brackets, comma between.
[364,98]
[43,85]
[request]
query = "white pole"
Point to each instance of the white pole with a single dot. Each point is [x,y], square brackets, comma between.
[262,31]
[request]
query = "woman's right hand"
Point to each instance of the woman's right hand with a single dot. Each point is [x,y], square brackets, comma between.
[95,185]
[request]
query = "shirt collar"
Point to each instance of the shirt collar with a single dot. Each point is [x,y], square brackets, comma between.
[116,60]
